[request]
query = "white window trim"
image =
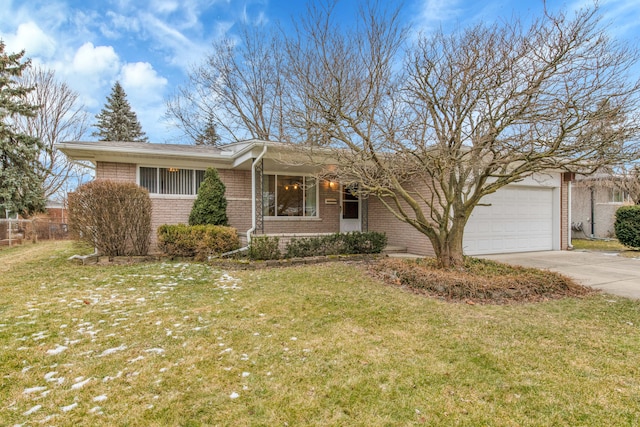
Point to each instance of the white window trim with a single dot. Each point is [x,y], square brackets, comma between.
[316,217]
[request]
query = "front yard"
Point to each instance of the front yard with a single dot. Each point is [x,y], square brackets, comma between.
[185,344]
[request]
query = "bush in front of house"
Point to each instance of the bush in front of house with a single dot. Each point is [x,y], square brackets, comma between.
[210,206]
[370,242]
[197,241]
[627,226]
[114,217]
[264,248]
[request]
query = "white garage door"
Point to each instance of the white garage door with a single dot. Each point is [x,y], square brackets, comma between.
[520,219]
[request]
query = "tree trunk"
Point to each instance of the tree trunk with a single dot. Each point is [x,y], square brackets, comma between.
[448,246]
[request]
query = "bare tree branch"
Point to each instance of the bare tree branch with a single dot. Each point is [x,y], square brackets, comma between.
[60,118]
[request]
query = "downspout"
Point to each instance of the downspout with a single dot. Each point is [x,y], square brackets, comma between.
[569,228]
[593,215]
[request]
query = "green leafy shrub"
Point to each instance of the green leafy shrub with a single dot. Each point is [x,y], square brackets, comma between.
[264,247]
[627,226]
[197,241]
[337,244]
[210,206]
[114,217]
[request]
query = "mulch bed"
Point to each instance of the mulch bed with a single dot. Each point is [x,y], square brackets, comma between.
[479,282]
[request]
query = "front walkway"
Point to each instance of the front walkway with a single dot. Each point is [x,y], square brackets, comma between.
[601,270]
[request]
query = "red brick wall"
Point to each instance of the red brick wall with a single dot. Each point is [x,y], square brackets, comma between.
[398,233]
[116,171]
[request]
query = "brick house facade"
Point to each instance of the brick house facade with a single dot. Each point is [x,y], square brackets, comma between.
[268,193]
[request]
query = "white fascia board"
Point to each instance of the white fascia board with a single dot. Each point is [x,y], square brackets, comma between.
[156,153]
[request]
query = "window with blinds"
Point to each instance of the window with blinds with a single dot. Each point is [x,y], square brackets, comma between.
[171,180]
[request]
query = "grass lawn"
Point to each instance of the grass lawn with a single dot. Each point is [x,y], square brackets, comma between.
[184,344]
[611,245]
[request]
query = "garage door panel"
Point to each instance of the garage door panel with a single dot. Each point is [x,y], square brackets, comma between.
[517,219]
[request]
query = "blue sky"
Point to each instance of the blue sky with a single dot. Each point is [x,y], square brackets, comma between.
[150,45]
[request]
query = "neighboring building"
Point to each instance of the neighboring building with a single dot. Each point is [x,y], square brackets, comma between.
[272,190]
[594,202]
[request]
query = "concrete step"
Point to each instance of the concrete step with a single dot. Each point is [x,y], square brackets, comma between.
[394,250]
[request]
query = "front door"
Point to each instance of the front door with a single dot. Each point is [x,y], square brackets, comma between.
[350,210]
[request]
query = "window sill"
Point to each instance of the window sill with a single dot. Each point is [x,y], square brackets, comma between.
[291,218]
[172,196]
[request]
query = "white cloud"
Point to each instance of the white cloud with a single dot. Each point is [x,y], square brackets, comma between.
[92,60]
[141,80]
[145,90]
[117,24]
[30,37]
[435,12]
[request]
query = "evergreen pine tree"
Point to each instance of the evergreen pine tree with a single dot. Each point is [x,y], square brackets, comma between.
[210,207]
[21,172]
[209,135]
[117,121]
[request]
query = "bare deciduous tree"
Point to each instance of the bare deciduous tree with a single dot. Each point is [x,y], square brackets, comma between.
[469,113]
[60,118]
[238,89]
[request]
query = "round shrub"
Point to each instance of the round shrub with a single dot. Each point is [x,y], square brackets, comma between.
[627,226]
[114,217]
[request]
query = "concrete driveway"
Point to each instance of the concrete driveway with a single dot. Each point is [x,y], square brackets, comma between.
[602,270]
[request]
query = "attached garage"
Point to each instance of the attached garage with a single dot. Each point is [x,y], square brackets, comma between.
[514,219]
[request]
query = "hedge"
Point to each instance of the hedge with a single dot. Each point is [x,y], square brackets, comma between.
[627,226]
[337,244]
[197,241]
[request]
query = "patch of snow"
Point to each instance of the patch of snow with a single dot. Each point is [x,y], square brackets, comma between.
[234,395]
[80,384]
[68,408]
[33,389]
[49,376]
[109,351]
[32,410]
[108,378]
[245,374]
[100,398]
[95,410]
[155,350]
[59,349]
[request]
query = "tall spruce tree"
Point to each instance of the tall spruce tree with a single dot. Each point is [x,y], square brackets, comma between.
[117,121]
[209,135]
[21,172]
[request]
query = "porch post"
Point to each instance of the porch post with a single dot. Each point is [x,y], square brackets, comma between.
[364,214]
[258,197]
